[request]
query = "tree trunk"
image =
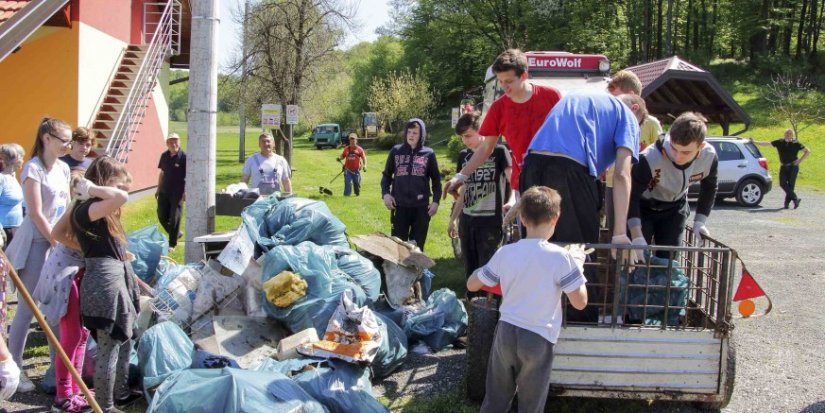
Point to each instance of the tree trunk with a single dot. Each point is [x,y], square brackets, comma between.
[758,39]
[788,32]
[774,33]
[800,29]
[659,18]
[712,33]
[687,25]
[669,48]
[818,28]
[695,44]
[646,31]
[809,35]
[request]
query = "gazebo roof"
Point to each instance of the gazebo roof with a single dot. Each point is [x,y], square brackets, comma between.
[672,86]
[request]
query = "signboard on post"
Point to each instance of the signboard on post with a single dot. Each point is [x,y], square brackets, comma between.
[271,115]
[456,114]
[291,114]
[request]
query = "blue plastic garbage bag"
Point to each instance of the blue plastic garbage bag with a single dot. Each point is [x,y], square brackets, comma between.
[393,348]
[295,220]
[148,244]
[163,350]
[361,270]
[439,322]
[394,314]
[426,283]
[341,387]
[325,284]
[254,219]
[207,360]
[231,390]
[286,367]
[655,298]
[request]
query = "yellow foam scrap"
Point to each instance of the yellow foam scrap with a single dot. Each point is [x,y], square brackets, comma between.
[284,289]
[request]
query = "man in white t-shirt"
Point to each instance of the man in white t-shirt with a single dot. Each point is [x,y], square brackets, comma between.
[269,171]
[532,273]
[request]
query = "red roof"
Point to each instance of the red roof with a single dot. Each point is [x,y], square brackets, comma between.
[648,72]
[9,8]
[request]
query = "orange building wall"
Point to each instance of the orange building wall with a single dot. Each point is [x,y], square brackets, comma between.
[39,79]
[42,78]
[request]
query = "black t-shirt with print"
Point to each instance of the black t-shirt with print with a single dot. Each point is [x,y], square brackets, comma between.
[173,181]
[485,189]
[788,151]
[95,240]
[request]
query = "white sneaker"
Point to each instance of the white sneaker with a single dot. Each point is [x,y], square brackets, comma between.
[25,385]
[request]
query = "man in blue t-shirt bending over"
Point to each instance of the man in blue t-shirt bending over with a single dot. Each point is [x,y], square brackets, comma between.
[581,137]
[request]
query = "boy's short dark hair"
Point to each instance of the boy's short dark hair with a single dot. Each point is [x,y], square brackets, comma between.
[539,205]
[511,59]
[467,121]
[688,128]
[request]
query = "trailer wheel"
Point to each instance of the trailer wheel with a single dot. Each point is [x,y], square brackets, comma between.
[480,333]
[730,376]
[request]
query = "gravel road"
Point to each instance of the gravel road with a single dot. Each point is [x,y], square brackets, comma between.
[780,365]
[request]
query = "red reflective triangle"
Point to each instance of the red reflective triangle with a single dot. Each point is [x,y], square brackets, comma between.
[748,288]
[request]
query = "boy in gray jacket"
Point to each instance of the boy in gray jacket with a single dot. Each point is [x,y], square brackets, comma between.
[658,199]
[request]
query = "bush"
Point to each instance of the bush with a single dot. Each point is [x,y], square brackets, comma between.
[454,147]
[386,140]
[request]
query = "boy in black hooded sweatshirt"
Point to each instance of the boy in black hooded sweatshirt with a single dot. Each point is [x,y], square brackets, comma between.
[404,185]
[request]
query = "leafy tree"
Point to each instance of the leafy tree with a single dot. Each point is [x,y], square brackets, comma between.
[401,96]
[792,98]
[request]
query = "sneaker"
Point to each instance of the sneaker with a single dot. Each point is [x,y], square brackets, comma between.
[26,385]
[129,400]
[796,203]
[74,404]
[787,205]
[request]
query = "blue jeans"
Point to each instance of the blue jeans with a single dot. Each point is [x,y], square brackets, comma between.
[352,178]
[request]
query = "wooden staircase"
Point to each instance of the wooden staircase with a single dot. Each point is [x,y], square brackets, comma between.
[115,99]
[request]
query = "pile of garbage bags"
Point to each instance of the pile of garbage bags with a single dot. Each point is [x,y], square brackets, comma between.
[289,261]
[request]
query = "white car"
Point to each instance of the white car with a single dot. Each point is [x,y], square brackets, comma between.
[743,171]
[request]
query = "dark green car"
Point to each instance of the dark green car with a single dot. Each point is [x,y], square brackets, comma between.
[326,134]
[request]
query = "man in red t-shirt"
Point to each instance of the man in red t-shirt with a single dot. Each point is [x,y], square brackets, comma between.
[354,161]
[516,115]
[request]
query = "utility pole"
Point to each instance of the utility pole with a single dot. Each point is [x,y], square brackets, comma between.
[242,106]
[203,105]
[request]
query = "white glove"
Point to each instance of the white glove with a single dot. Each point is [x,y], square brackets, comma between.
[700,230]
[389,202]
[9,378]
[640,253]
[578,254]
[623,240]
[81,189]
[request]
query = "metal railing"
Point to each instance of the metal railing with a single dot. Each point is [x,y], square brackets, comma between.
[685,287]
[164,30]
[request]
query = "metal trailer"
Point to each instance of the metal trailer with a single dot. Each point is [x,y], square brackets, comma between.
[623,354]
